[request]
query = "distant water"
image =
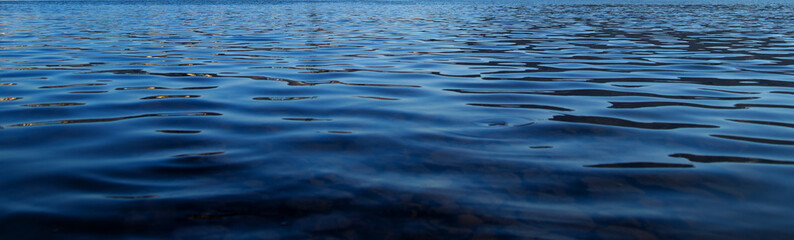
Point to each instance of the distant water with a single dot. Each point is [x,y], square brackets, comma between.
[396,120]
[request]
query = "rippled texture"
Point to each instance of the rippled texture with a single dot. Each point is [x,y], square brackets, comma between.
[395,120]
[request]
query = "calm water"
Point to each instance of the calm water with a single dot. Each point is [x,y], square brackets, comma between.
[396,120]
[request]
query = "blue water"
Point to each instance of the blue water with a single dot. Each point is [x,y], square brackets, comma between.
[396,120]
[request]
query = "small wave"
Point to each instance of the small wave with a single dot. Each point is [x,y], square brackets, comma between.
[598,93]
[728,159]
[755,140]
[771,123]
[179,131]
[630,105]
[197,154]
[528,106]
[379,98]
[75,85]
[166,88]
[610,121]
[283,98]
[96,120]
[88,92]
[66,104]
[641,165]
[169,96]
[307,119]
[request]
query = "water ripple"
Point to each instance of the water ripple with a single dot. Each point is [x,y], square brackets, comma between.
[598,93]
[407,119]
[641,165]
[757,140]
[53,104]
[728,159]
[626,123]
[113,119]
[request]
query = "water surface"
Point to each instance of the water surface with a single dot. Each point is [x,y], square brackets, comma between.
[396,120]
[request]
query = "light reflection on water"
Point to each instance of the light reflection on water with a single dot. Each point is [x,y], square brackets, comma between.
[395,119]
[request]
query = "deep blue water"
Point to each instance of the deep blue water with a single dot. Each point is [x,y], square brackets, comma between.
[396,120]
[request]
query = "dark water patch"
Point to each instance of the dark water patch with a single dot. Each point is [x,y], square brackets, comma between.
[179,131]
[379,98]
[315,83]
[752,105]
[641,165]
[599,93]
[771,123]
[314,69]
[540,147]
[662,104]
[165,88]
[728,159]
[96,120]
[307,119]
[197,154]
[533,106]
[167,74]
[756,140]
[132,197]
[283,98]
[40,69]
[66,104]
[610,121]
[369,84]
[628,86]
[340,132]
[631,105]
[705,81]
[75,65]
